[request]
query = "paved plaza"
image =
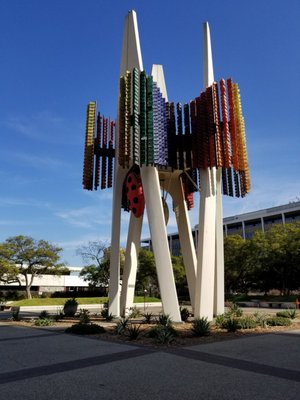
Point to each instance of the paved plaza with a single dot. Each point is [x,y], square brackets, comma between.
[49,364]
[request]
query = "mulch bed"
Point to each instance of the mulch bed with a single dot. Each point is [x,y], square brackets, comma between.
[185,336]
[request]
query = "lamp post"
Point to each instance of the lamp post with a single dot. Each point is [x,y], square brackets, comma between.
[145,293]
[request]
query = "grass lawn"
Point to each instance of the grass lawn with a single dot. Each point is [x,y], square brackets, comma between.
[81,300]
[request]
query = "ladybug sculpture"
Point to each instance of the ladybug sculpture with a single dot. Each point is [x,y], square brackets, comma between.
[135,194]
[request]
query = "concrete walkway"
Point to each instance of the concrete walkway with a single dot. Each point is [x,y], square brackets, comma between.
[46,364]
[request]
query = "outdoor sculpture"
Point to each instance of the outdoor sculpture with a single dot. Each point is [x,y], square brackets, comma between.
[156,145]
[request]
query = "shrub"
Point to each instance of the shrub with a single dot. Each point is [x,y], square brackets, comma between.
[84,316]
[133,331]
[147,318]
[235,310]
[121,326]
[43,322]
[15,314]
[201,327]
[59,315]
[220,320]
[231,324]
[106,314]
[85,329]
[261,319]
[247,322]
[184,312]
[164,320]
[279,321]
[163,334]
[134,312]
[45,295]
[15,295]
[70,307]
[44,315]
[287,314]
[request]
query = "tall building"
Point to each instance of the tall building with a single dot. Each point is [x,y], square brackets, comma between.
[243,224]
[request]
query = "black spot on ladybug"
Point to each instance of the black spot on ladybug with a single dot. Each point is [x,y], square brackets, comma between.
[135,200]
[133,187]
[129,179]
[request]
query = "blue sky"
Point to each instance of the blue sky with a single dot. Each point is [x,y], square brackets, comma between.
[57,55]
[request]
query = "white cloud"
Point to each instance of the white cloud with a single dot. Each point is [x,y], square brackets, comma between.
[86,217]
[12,201]
[41,161]
[44,126]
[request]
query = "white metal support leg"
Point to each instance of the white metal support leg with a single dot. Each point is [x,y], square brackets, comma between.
[159,239]
[219,262]
[185,236]
[131,263]
[114,280]
[204,298]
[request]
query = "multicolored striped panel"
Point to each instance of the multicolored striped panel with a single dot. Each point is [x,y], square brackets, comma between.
[208,132]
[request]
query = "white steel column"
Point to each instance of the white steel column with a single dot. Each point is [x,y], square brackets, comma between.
[114,278]
[204,295]
[219,296]
[205,283]
[185,235]
[131,263]
[131,58]
[159,239]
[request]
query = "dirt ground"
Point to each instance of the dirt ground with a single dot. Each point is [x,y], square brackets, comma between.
[184,332]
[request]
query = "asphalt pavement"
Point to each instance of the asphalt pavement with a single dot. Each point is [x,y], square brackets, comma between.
[48,364]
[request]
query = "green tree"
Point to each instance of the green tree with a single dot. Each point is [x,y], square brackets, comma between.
[23,255]
[276,257]
[147,274]
[8,272]
[96,256]
[146,278]
[180,276]
[236,264]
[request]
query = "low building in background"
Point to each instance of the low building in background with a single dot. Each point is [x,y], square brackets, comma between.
[244,225]
[70,281]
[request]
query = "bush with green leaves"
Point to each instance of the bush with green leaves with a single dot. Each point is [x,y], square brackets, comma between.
[231,324]
[43,322]
[133,331]
[147,318]
[70,307]
[84,316]
[247,322]
[121,326]
[15,314]
[220,320]
[279,321]
[134,312]
[185,313]
[85,329]
[201,327]
[106,314]
[163,334]
[164,320]
[235,310]
[59,315]
[287,314]
[261,319]
[44,315]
